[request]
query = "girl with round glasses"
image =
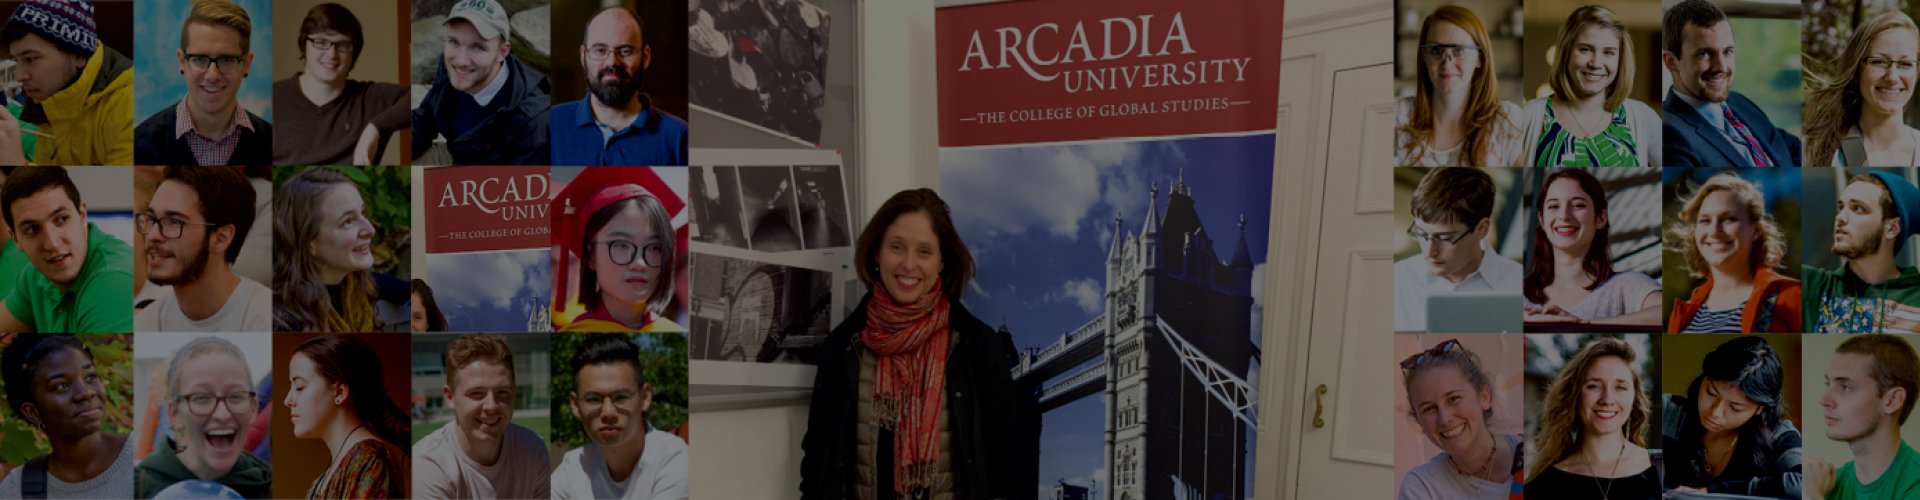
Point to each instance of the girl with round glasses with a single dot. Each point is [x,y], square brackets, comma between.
[628,256]
[210,407]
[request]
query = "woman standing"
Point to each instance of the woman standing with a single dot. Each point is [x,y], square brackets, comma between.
[1855,113]
[1589,121]
[1452,399]
[1592,430]
[324,281]
[337,394]
[1730,433]
[1728,238]
[1570,276]
[912,398]
[1455,116]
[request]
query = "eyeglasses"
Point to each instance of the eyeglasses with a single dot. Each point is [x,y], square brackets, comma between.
[170,227]
[325,44]
[1423,237]
[1436,351]
[622,252]
[1440,52]
[599,52]
[594,402]
[1904,65]
[228,64]
[201,404]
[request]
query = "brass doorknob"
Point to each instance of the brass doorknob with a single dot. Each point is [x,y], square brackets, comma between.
[1318,408]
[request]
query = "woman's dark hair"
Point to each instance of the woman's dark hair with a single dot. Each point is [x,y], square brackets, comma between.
[436,322]
[22,362]
[1750,364]
[1540,255]
[656,216]
[956,264]
[608,348]
[299,295]
[348,360]
[331,17]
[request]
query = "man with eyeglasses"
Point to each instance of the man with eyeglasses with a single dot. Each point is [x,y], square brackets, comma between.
[208,126]
[616,124]
[79,91]
[490,108]
[210,407]
[483,454]
[627,459]
[83,277]
[326,119]
[1707,123]
[1452,210]
[194,229]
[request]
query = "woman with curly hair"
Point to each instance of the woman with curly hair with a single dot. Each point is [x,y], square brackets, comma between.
[1728,238]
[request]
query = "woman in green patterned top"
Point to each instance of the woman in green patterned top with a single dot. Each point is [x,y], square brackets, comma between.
[1589,121]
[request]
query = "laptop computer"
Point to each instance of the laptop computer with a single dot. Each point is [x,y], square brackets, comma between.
[1475,312]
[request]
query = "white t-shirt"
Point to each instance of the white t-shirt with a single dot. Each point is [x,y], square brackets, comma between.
[660,475]
[115,482]
[442,470]
[248,309]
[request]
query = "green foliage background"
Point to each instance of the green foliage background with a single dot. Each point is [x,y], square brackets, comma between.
[389,196]
[664,357]
[113,361]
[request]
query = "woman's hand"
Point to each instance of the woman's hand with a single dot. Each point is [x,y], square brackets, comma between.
[1551,313]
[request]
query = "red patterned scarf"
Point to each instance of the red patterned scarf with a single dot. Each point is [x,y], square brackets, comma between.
[911,341]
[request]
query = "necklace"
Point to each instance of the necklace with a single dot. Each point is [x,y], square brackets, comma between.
[1604,490]
[1492,449]
[1574,117]
[1729,455]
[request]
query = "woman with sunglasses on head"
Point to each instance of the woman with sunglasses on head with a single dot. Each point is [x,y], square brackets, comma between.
[211,404]
[52,385]
[1451,398]
[1856,111]
[1455,117]
[1729,433]
[627,254]
[1592,428]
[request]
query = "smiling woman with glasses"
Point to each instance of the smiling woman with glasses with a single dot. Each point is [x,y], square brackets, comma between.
[210,408]
[1455,116]
[1856,109]
[627,254]
[327,119]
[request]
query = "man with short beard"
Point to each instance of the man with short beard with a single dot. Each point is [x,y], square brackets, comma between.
[616,124]
[1877,213]
[194,227]
[490,107]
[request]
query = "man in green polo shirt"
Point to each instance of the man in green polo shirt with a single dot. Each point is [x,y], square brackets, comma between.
[83,279]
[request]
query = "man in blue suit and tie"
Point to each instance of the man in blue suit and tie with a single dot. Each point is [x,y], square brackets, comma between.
[1708,124]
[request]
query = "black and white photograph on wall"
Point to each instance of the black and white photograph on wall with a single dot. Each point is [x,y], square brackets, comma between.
[760,312]
[716,206]
[767,207]
[823,206]
[760,62]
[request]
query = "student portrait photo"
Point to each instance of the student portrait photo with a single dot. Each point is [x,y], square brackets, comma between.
[480,448]
[82,277]
[486,105]
[1732,240]
[1460,110]
[616,120]
[1857,99]
[345,434]
[325,117]
[625,413]
[1584,266]
[334,250]
[1862,446]
[208,416]
[73,392]
[76,79]
[1461,399]
[1853,279]
[1707,122]
[1458,220]
[1591,417]
[1593,111]
[623,256]
[192,231]
[1730,406]
[205,120]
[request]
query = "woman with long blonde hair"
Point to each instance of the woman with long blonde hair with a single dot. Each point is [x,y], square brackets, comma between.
[1592,428]
[1854,110]
[1589,121]
[1727,237]
[1455,117]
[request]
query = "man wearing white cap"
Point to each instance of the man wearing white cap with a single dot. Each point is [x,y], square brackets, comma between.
[490,107]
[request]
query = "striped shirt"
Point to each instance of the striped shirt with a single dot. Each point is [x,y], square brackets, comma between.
[1716,320]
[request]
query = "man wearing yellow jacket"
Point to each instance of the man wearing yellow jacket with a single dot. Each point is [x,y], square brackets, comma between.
[81,91]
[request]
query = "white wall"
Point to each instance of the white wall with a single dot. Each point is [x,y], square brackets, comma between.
[755,453]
